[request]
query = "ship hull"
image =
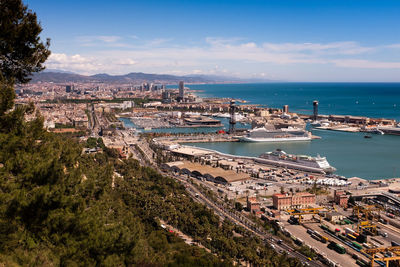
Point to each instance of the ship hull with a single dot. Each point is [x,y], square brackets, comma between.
[255,140]
[296,165]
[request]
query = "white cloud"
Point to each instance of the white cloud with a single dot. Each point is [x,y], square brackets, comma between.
[347,48]
[97,38]
[158,41]
[233,56]
[395,46]
[366,64]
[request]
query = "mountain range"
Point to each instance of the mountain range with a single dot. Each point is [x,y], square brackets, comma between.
[57,76]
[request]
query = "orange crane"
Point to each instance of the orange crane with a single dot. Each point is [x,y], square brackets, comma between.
[383,250]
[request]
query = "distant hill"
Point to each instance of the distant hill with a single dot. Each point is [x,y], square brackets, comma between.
[57,76]
[134,77]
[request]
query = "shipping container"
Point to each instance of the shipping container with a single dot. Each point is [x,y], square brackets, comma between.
[338,248]
[324,239]
[352,237]
[355,244]
[324,227]
[316,237]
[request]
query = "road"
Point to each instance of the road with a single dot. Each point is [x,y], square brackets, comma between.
[224,213]
[246,223]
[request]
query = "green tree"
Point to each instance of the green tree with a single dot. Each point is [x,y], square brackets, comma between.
[21,54]
[21,50]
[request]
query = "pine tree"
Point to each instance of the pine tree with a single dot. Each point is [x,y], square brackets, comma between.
[21,54]
[21,50]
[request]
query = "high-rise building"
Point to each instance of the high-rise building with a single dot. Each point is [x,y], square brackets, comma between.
[68,89]
[181,90]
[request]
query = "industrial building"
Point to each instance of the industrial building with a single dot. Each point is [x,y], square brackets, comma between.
[206,172]
[298,200]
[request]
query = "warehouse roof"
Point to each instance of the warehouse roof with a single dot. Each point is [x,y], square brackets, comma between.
[219,174]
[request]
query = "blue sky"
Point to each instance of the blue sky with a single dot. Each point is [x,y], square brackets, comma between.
[297,40]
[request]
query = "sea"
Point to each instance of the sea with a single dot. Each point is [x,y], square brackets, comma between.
[352,154]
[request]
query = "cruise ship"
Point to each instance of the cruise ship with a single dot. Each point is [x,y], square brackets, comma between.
[281,135]
[301,162]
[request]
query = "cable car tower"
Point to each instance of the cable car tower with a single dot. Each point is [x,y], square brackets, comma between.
[232,120]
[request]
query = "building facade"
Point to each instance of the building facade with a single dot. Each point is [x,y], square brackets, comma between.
[341,198]
[288,201]
[253,205]
[181,90]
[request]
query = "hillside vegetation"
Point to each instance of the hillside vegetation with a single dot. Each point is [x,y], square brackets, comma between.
[62,207]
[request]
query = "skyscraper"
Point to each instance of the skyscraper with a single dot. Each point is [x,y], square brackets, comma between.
[181,90]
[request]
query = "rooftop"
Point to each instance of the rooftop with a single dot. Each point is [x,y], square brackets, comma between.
[203,170]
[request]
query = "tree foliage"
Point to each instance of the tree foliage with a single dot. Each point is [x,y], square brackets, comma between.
[21,50]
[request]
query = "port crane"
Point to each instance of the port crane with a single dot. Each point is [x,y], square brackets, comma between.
[367,216]
[298,213]
[384,251]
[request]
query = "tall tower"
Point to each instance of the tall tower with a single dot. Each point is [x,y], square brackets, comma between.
[286,109]
[315,109]
[232,121]
[181,90]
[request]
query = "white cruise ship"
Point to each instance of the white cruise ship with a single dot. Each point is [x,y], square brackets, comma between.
[281,135]
[297,161]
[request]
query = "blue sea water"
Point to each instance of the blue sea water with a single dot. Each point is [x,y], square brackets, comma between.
[350,153]
[361,99]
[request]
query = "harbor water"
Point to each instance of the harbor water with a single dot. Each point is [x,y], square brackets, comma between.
[352,154]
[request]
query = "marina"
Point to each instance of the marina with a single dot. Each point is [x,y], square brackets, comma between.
[349,152]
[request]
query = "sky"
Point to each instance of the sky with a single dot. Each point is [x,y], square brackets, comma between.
[299,40]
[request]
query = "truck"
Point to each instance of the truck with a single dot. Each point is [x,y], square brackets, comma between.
[357,245]
[324,239]
[324,227]
[339,248]
[391,215]
[298,242]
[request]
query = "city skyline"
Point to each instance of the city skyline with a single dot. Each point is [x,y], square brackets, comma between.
[276,40]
